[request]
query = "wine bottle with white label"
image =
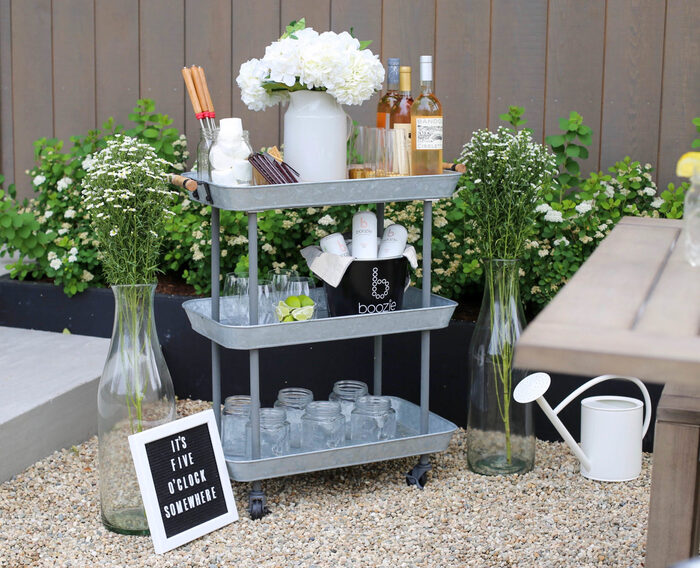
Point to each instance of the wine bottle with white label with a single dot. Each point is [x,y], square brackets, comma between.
[364,235]
[393,241]
[426,125]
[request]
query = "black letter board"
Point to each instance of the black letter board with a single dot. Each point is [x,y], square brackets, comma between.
[183,479]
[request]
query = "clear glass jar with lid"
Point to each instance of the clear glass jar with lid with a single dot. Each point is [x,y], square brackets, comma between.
[322,426]
[274,432]
[235,427]
[346,393]
[294,400]
[373,419]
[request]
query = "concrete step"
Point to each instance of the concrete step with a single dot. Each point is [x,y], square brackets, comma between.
[48,393]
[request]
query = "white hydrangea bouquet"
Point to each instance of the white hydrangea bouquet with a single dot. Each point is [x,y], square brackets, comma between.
[303,59]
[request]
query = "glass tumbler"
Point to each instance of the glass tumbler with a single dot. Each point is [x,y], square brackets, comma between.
[274,432]
[346,394]
[372,419]
[322,426]
[235,427]
[294,400]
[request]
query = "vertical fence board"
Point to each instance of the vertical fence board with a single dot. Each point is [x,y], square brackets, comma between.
[116,59]
[518,38]
[575,53]
[462,69]
[7,167]
[681,86]
[31,83]
[408,31]
[365,17]
[208,43]
[162,39]
[255,26]
[73,68]
[632,91]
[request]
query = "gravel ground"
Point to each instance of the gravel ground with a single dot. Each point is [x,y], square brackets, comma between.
[360,517]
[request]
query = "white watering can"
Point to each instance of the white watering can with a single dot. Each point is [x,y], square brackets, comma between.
[611,426]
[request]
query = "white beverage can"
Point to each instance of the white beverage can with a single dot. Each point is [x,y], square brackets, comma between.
[335,244]
[364,235]
[393,241]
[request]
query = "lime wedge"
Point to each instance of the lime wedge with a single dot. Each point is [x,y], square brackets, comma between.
[288,318]
[281,311]
[305,300]
[303,314]
[293,302]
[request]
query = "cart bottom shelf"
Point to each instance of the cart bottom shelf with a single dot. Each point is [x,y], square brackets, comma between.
[408,442]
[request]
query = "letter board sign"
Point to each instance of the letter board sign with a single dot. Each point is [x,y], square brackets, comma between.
[183,480]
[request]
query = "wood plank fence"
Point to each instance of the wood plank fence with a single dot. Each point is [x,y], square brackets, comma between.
[628,66]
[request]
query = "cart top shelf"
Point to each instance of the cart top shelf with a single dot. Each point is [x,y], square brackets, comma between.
[315,194]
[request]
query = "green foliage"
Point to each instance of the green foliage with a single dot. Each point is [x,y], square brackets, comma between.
[696,142]
[567,151]
[56,217]
[514,116]
[293,27]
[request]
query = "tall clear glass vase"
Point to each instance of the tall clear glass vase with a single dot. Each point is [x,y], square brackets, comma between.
[135,393]
[500,431]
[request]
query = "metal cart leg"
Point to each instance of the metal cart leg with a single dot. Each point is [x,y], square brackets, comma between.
[418,475]
[377,390]
[215,361]
[256,501]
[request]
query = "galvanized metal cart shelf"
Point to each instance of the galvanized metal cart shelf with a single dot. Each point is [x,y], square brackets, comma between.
[419,431]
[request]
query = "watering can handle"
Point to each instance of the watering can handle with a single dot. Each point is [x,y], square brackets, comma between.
[593,382]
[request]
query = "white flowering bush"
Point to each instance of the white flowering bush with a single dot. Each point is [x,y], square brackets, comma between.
[303,59]
[52,231]
[128,199]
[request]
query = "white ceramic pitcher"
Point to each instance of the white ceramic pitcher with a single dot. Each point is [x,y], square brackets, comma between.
[612,427]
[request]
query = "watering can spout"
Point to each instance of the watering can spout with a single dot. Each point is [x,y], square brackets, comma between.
[532,388]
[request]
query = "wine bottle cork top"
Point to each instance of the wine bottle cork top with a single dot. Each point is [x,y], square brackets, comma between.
[426,67]
[405,78]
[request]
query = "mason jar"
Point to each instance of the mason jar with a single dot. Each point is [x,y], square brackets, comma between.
[372,419]
[294,400]
[274,432]
[207,137]
[346,393]
[235,427]
[322,426]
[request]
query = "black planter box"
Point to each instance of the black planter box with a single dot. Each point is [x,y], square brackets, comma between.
[43,306]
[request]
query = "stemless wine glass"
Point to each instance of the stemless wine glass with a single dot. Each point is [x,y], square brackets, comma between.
[279,278]
[234,298]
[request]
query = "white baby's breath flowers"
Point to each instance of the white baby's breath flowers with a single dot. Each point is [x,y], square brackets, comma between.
[543,208]
[585,239]
[306,59]
[561,241]
[326,220]
[657,203]
[543,252]
[69,214]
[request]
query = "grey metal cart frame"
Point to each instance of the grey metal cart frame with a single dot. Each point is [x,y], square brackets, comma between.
[422,312]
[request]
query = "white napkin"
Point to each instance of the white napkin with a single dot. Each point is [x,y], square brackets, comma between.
[331,267]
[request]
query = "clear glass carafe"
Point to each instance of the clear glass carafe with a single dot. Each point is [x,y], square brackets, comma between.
[322,426]
[294,400]
[372,419]
[274,432]
[135,393]
[500,432]
[346,393]
[235,427]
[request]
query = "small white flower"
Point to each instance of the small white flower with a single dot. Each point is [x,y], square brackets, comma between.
[553,216]
[63,183]
[51,255]
[55,263]
[113,232]
[543,252]
[72,258]
[657,203]
[584,207]
[535,290]
[561,241]
[48,213]
[198,255]
[651,191]
[543,208]
[602,227]
[38,180]
[69,214]
[62,231]
[86,276]
[326,220]
[73,250]
[585,239]
[609,191]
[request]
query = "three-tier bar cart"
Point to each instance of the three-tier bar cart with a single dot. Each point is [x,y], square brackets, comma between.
[419,431]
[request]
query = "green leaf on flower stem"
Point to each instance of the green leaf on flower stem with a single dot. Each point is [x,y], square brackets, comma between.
[570,136]
[696,143]
[554,141]
[586,139]
[582,153]
[560,158]
[564,123]
[583,130]
[696,121]
[572,167]
[572,150]
[5,221]
[150,133]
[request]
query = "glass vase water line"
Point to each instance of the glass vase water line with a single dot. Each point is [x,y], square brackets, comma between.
[500,432]
[135,393]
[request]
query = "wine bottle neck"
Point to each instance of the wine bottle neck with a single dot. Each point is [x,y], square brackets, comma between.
[426,87]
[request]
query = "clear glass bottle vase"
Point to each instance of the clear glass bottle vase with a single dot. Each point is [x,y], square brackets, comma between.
[500,431]
[135,393]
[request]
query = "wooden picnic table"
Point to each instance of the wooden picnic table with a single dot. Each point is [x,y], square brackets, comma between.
[633,308]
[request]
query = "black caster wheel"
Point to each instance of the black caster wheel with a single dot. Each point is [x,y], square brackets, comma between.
[418,476]
[257,510]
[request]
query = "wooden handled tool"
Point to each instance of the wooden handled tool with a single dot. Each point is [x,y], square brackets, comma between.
[461,168]
[194,99]
[207,94]
[182,181]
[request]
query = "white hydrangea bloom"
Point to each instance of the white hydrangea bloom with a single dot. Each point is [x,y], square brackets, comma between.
[584,207]
[86,276]
[553,216]
[561,241]
[55,263]
[63,183]
[38,180]
[326,220]
[69,214]
[542,207]
[657,203]
[650,191]
[543,252]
